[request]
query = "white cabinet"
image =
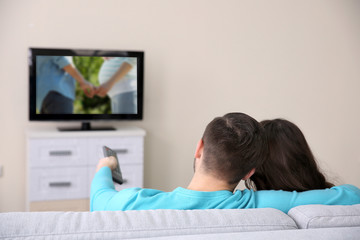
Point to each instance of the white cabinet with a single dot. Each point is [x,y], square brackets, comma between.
[58,183]
[61,165]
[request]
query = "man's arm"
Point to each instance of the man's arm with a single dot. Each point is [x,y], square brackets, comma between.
[63,63]
[284,201]
[102,186]
[86,86]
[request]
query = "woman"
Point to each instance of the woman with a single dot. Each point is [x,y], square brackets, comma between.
[117,77]
[290,165]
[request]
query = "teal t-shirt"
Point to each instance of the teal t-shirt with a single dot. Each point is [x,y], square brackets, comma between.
[104,197]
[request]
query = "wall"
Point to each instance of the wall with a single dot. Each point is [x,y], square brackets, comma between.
[293,59]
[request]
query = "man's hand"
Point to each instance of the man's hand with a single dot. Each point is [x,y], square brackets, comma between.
[107,162]
[88,89]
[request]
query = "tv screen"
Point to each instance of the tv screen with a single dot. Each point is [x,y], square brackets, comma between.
[84,85]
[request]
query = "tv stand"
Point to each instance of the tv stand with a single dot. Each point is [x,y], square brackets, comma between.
[86,126]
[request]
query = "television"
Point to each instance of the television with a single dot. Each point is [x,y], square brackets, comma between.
[85,85]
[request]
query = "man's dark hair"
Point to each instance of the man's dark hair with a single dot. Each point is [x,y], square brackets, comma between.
[233,145]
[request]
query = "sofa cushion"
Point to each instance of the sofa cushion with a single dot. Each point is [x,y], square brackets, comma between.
[346,233]
[141,224]
[323,216]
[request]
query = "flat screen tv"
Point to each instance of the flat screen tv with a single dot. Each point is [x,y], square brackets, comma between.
[85,85]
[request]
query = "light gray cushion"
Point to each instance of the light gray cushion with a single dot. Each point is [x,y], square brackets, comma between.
[349,233]
[141,224]
[323,216]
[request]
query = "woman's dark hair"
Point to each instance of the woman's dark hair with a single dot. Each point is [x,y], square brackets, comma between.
[233,145]
[290,164]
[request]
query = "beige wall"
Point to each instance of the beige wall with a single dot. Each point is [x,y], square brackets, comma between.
[298,60]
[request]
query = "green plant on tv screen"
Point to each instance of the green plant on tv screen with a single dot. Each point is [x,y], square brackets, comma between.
[89,67]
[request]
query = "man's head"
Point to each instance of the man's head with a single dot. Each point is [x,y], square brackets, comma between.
[233,145]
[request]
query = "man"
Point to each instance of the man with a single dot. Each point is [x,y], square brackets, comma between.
[231,148]
[55,85]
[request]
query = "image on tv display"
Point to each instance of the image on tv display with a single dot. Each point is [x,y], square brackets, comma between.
[85,84]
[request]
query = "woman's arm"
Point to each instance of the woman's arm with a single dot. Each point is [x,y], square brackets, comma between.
[124,69]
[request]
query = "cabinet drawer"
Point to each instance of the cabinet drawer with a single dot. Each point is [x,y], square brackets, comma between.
[59,183]
[132,175]
[129,149]
[57,152]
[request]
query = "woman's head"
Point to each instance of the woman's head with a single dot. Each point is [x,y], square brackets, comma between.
[290,164]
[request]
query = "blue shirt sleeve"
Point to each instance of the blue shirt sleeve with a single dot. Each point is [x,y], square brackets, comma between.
[60,61]
[284,201]
[104,196]
[102,189]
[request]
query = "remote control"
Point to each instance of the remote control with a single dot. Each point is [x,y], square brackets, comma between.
[116,174]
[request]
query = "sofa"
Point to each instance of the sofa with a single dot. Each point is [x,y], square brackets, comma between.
[302,222]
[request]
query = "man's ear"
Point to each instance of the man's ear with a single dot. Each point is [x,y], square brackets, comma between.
[199,149]
[249,174]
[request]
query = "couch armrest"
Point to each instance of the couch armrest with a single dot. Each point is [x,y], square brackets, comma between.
[325,216]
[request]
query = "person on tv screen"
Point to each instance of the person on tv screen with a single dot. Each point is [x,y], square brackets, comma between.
[118,80]
[231,149]
[290,164]
[55,85]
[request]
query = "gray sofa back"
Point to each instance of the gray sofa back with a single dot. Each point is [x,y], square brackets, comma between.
[302,222]
[141,224]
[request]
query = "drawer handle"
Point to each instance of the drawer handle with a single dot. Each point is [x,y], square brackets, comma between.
[60,153]
[60,184]
[121,151]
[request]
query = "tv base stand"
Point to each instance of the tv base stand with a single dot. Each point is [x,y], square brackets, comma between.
[86,126]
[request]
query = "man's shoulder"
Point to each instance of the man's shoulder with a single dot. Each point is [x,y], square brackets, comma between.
[137,199]
[143,191]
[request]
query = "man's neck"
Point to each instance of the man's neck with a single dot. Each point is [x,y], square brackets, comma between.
[208,183]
